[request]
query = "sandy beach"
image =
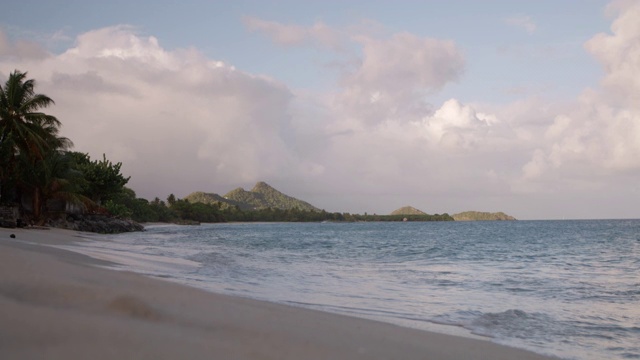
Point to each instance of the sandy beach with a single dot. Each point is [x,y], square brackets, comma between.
[57,304]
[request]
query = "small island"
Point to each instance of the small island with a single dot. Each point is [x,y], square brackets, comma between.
[482,216]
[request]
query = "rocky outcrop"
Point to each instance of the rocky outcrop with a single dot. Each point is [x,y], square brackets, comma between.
[95,223]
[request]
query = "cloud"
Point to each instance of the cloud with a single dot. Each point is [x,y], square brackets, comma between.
[175,118]
[294,35]
[619,54]
[394,74]
[598,136]
[20,49]
[522,21]
[384,67]
[457,126]
[384,76]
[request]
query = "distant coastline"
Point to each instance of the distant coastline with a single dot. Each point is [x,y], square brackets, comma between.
[463,216]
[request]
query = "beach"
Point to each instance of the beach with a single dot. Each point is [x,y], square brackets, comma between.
[57,304]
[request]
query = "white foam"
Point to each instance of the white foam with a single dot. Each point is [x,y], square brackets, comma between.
[132,260]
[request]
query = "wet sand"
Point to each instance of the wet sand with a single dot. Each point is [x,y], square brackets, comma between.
[57,304]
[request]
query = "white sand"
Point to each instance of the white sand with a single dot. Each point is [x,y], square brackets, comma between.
[54,304]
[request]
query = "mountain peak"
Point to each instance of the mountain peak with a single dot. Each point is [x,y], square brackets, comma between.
[408,210]
[262,186]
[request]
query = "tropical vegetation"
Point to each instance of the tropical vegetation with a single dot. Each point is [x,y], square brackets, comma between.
[38,172]
[32,160]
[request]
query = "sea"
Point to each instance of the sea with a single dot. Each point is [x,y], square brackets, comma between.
[569,289]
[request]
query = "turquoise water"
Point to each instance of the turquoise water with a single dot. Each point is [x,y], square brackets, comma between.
[564,288]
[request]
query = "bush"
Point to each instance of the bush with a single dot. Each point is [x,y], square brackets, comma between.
[118,210]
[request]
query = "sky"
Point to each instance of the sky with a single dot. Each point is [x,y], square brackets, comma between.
[527,107]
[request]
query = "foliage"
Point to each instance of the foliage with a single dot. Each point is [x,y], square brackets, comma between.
[198,212]
[28,141]
[126,204]
[119,210]
[161,211]
[23,129]
[35,163]
[104,179]
[60,180]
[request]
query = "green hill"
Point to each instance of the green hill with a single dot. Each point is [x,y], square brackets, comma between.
[481,216]
[262,196]
[212,198]
[408,210]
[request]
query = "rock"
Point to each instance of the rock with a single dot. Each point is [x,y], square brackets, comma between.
[6,223]
[96,223]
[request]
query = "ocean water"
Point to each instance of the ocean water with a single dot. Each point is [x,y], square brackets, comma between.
[565,288]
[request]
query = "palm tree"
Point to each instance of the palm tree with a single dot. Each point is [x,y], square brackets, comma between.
[27,135]
[59,180]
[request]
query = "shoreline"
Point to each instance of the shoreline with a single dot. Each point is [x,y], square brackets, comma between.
[59,304]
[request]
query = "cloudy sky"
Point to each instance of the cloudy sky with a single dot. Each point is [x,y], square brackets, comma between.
[531,108]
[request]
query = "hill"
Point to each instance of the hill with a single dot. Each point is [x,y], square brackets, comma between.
[408,210]
[262,196]
[212,198]
[481,216]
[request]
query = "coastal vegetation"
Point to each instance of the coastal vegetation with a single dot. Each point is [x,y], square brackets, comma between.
[39,175]
[33,161]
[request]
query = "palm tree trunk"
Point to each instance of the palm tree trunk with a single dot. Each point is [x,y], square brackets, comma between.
[36,203]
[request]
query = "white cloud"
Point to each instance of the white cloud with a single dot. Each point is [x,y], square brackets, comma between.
[394,74]
[619,54]
[387,76]
[522,21]
[457,126]
[603,128]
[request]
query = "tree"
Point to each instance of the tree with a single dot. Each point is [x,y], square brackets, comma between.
[103,178]
[57,179]
[27,136]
